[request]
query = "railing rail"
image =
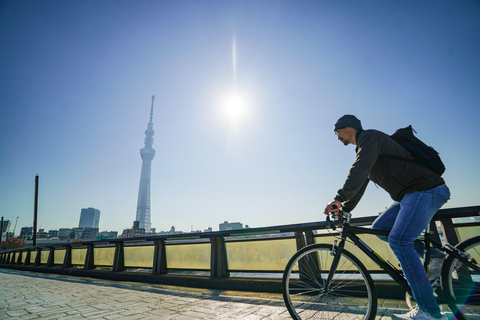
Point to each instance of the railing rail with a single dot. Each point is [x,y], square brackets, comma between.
[216,255]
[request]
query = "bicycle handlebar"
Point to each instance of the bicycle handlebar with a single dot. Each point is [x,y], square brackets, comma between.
[340,217]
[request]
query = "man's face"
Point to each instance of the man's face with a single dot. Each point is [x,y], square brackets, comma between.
[345,135]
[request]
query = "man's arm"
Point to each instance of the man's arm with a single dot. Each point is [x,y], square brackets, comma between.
[368,149]
[349,205]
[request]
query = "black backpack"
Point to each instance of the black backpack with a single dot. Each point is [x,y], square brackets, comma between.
[423,154]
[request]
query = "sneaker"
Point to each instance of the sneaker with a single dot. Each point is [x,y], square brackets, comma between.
[435,268]
[417,314]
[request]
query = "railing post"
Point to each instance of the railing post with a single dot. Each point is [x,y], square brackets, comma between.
[309,237]
[51,257]
[12,258]
[119,258]
[67,261]
[305,265]
[38,257]
[218,258]
[26,262]
[449,232]
[19,259]
[300,239]
[434,232]
[89,258]
[160,258]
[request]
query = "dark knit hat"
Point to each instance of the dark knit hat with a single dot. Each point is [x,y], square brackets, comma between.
[347,121]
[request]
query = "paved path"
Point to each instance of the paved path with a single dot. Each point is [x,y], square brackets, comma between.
[27,295]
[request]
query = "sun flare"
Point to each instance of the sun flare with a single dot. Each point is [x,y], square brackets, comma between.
[235,107]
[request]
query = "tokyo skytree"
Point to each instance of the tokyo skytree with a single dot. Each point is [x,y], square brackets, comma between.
[147,153]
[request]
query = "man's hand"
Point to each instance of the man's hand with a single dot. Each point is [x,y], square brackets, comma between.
[333,206]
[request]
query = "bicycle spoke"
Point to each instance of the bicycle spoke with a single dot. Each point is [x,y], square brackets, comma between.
[347,296]
[461,281]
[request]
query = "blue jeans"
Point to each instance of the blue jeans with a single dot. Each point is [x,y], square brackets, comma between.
[406,220]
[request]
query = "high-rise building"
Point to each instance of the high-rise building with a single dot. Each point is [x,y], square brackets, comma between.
[147,153]
[5,228]
[89,218]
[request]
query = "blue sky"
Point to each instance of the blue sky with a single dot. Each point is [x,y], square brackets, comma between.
[77,78]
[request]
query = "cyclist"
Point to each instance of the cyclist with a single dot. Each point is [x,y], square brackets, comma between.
[418,194]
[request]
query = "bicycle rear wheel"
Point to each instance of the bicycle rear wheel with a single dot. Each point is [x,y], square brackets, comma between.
[460,281]
[351,294]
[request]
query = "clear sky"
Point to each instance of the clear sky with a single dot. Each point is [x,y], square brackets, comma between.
[76,80]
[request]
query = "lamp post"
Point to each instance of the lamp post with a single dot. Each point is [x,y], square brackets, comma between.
[35,212]
[1,233]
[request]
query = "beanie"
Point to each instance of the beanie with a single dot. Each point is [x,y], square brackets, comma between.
[347,120]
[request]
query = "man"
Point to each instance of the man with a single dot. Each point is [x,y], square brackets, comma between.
[417,191]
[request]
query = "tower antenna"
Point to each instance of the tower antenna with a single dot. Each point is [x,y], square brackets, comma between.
[151,110]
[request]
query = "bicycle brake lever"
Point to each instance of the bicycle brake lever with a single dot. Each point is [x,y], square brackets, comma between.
[330,223]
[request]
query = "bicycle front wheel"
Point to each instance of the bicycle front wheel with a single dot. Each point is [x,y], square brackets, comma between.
[460,281]
[350,295]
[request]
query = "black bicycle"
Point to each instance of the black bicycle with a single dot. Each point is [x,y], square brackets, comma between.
[323,281]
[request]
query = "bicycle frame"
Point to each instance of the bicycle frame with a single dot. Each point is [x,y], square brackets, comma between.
[350,232]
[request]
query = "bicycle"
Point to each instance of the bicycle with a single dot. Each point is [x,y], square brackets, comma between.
[323,281]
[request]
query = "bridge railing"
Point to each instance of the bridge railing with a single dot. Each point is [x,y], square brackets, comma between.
[259,252]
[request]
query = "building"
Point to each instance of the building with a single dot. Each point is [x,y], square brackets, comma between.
[108,234]
[135,232]
[26,232]
[147,153]
[86,233]
[225,226]
[41,234]
[53,233]
[66,233]
[5,228]
[89,218]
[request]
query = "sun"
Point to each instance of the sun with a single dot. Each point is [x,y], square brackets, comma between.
[235,107]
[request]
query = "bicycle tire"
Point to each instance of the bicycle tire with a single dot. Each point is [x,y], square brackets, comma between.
[460,283]
[351,296]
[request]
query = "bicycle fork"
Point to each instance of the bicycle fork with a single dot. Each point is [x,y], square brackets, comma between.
[337,253]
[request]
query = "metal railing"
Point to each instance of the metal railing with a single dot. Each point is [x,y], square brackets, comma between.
[254,252]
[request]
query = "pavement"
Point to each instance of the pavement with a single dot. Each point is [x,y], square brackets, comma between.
[30,295]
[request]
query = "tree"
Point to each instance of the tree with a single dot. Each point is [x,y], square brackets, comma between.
[12,243]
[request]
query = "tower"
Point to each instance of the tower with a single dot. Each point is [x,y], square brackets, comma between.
[147,153]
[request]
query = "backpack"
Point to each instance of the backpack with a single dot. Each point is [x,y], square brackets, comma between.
[423,154]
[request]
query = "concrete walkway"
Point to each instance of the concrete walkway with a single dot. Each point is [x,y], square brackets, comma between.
[28,295]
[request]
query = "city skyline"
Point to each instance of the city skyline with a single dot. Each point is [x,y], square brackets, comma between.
[77,77]
[221,226]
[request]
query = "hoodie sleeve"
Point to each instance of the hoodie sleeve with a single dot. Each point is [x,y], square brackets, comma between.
[368,149]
